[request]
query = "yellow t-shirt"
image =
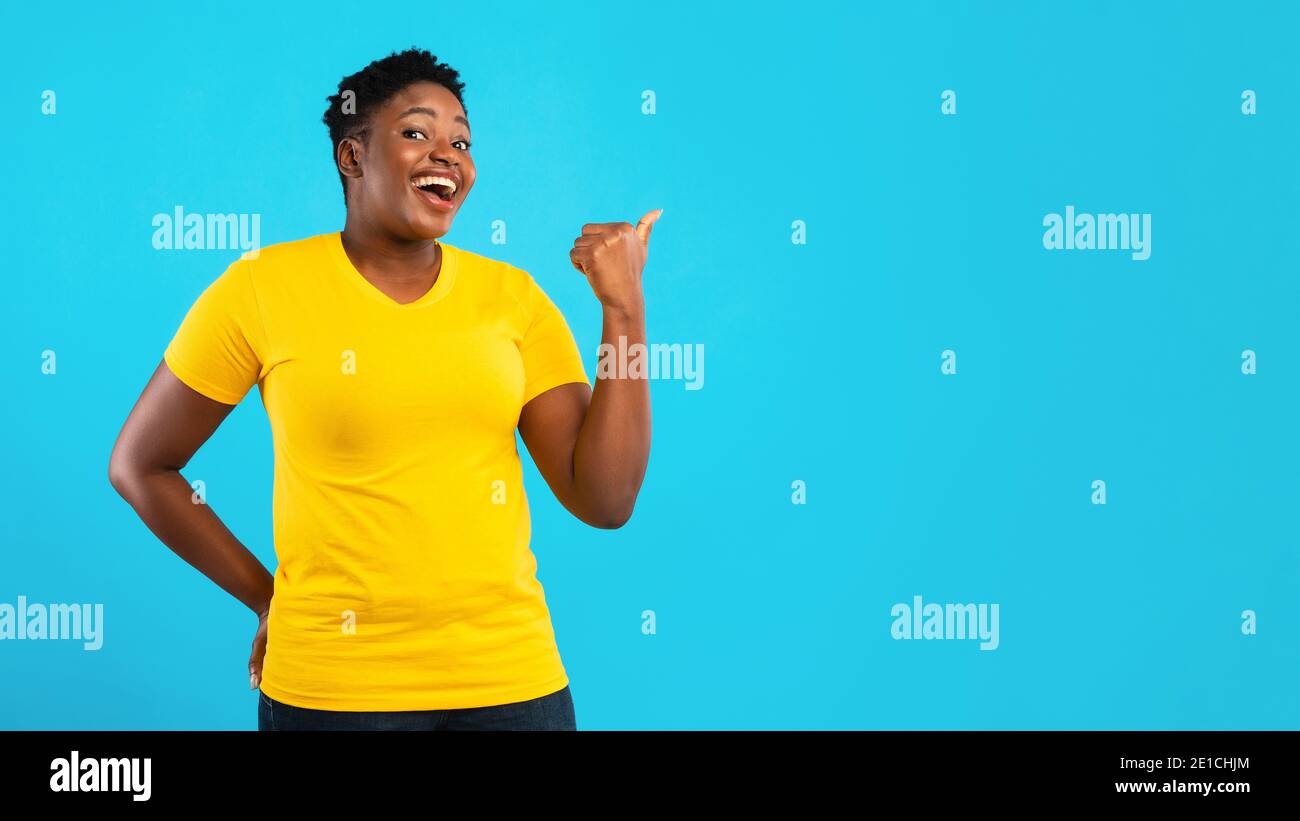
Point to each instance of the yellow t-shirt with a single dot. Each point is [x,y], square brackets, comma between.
[405,578]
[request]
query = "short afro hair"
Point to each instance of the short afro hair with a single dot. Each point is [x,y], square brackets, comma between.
[360,94]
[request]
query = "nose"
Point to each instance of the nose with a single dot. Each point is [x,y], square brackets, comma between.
[441,151]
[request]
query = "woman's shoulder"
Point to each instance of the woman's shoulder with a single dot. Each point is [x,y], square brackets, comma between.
[295,250]
[490,271]
[473,259]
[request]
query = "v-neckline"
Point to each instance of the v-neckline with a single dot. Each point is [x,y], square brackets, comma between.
[441,285]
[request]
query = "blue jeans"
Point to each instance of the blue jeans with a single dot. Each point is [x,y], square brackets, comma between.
[550,712]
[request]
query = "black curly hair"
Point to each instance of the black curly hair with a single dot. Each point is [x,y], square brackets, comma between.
[375,85]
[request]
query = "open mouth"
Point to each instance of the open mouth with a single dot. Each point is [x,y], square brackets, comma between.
[444,188]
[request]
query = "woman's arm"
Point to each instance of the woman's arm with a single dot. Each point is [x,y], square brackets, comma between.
[169,422]
[592,447]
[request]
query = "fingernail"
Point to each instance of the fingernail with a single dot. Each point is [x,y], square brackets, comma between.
[252,681]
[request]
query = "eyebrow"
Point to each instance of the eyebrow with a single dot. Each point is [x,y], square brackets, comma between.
[419,109]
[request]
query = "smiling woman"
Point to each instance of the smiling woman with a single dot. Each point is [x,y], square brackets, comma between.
[395,370]
[402,148]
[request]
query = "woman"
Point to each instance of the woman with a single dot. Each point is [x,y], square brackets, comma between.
[394,369]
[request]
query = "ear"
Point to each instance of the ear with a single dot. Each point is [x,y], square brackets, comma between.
[348,157]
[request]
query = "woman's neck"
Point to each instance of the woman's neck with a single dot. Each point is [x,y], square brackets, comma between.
[406,265]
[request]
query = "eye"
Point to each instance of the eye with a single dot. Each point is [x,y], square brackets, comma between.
[414,131]
[464,143]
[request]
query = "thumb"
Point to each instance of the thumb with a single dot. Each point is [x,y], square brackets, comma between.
[647,222]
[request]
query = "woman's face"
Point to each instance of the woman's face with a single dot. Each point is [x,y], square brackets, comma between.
[421,135]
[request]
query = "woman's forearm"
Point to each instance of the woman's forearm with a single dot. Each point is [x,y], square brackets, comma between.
[163,500]
[613,446]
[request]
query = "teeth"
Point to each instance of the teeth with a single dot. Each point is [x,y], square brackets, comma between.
[421,182]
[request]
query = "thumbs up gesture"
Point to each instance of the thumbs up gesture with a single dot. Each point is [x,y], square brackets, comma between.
[612,255]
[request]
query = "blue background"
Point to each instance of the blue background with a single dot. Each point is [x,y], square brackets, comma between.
[924,233]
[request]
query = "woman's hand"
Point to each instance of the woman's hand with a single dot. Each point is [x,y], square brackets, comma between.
[259,651]
[612,255]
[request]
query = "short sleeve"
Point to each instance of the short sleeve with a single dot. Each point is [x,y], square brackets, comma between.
[550,353]
[219,348]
